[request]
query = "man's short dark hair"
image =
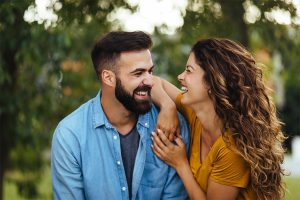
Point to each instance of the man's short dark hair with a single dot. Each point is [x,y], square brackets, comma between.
[108,49]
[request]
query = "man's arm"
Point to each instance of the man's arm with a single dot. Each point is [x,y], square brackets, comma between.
[66,171]
[174,188]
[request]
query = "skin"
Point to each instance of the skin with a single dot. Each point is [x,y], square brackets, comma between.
[134,69]
[197,98]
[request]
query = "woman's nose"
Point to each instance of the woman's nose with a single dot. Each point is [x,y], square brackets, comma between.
[180,77]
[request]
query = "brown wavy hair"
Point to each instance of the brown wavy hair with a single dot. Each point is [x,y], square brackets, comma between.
[241,100]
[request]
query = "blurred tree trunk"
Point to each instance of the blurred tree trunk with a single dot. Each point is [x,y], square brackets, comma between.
[235,14]
[8,113]
[2,165]
[14,29]
[1,179]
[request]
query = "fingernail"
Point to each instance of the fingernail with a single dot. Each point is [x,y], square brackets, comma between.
[153,133]
[152,145]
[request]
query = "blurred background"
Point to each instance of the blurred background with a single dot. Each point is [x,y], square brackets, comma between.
[46,71]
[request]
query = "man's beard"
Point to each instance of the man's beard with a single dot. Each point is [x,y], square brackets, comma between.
[129,102]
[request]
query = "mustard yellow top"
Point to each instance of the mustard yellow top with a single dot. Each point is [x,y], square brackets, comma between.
[222,164]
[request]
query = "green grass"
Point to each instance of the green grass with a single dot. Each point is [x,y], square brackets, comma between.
[44,188]
[293,188]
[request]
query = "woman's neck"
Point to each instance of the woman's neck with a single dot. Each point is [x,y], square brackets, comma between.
[210,121]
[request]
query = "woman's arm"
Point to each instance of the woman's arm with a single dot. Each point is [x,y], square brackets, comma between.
[162,88]
[164,95]
[175,156]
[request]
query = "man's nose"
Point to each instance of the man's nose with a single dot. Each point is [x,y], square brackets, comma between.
[148,80]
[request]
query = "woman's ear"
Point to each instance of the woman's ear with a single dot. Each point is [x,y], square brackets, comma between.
[108,77]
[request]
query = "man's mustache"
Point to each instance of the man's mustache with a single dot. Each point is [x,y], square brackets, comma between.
[146,88]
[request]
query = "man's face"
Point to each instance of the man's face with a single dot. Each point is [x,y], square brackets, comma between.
[129,101]
[134,81]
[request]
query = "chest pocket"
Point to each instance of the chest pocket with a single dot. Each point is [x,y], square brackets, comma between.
[155,171]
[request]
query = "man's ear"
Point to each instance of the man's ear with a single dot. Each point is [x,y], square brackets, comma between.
[108,77]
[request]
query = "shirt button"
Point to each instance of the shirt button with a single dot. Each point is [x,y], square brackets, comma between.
[123,188]
[146,124]
[118,162]
[115,137]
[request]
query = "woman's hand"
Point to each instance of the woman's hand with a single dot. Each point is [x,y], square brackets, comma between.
[173,154]
[168,122]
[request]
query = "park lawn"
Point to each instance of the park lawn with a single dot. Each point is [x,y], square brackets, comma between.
[293,187]
[44,188]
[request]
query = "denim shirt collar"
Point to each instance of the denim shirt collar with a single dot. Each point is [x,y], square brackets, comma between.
[100,119]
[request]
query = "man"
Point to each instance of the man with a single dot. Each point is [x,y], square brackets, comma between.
[103,149]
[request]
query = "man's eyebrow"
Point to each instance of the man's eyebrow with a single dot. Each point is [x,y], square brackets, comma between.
[141,70]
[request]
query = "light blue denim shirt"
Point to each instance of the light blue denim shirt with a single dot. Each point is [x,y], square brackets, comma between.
[86,161]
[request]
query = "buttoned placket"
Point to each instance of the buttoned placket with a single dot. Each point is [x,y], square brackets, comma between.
[140,158]
[120,167]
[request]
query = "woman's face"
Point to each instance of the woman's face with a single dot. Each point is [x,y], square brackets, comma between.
[193,84]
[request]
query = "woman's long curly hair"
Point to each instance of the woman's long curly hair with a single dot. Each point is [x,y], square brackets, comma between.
[241,100]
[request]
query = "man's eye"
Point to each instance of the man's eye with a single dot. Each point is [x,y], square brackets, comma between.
[138,74]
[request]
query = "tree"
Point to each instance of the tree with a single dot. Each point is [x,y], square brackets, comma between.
[231,19]
[32,62]
[42,69]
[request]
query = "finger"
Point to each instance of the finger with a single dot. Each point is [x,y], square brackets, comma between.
[158,151]
[172,130]
[171,137]
[172,134]
[157,141]
[163,138]
[179,142]
[177,133]
[158,126]
[165,132]
[164,129]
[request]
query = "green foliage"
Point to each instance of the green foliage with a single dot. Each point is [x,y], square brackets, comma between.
[38,85]
[45,73]
[217,18]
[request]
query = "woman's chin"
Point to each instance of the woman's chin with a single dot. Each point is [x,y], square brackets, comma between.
[184,100]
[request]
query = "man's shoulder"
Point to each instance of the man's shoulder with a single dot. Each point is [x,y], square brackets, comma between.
[75,116]
[74,123]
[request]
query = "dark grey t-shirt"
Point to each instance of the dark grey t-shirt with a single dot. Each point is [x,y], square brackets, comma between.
[129,146]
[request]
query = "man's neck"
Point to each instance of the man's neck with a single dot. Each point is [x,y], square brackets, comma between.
[121,118]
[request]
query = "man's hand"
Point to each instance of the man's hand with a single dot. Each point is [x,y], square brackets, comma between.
[168,121]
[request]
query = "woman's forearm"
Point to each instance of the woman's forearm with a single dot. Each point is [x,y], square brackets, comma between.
[160,96]
[192,187]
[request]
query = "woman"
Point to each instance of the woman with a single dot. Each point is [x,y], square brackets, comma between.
[236,140]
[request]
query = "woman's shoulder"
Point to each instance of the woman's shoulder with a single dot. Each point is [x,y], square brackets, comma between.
[225,148]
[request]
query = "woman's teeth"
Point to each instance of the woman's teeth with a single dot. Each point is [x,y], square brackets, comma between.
[184,89]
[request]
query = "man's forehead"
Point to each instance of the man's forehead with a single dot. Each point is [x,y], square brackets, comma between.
[135,59]
[126,54]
